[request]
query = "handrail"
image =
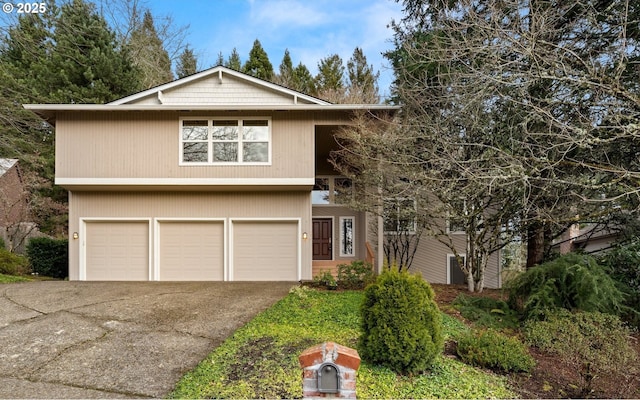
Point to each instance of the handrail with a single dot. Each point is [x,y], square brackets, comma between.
[371,256]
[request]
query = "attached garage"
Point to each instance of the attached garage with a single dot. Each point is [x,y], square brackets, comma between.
[265,250]
[117,251]
[191,250]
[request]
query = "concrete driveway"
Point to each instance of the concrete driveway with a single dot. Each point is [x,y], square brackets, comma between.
[116,339]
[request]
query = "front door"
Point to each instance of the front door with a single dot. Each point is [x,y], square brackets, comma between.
[322,236]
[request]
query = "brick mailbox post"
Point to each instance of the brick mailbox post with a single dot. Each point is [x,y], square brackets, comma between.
[329,370]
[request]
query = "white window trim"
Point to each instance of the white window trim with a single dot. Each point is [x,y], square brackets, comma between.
[342,236]
[457,232]
[415,207]
[210,142]
[449,256]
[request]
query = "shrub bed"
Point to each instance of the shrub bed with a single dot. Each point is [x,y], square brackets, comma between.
[49,257]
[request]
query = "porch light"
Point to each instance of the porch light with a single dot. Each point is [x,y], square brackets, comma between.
[304,235]
[75,235]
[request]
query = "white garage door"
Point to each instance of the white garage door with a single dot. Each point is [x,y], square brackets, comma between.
[191,251]
[117,251]
[265,251]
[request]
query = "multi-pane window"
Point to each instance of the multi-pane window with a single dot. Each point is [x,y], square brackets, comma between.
[331,190]
[219,141]
[399,215]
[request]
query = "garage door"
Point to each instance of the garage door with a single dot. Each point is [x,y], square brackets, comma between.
[117,251]
[191,251]
[265,251]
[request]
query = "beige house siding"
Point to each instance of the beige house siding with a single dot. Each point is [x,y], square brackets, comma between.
[147,145]
[431,261]
[221,87]
[154,207]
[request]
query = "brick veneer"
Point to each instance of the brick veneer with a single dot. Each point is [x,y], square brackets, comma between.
[346,359]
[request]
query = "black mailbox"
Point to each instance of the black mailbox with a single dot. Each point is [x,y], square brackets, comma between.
[328,378]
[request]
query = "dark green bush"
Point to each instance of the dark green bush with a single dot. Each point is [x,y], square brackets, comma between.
[48,257]
[325,279]
[572,281]
[486,312]
[401,324]
[623,265]
[491,349]
[595,344]
[12,264]
[355,275]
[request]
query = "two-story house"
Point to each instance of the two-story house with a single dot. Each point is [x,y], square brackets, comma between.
[218,176]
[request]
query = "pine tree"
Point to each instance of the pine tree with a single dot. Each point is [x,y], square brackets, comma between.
[303,81]
[219,60]
[258,64]
[149,53]
[285,77]
[362,80]
[234,61]
[187,63]
[330,79]
[85,64]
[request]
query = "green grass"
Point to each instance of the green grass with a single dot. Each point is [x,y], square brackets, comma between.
[261,359]
[12,279]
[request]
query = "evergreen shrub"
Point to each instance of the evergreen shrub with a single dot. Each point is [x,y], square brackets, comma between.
[400,323]
[491,349]
[49,257]
[12,264]
[573,282]
[623,265]
[593,343]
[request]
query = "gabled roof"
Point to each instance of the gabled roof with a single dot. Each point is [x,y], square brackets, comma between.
[216,89]
[220,73]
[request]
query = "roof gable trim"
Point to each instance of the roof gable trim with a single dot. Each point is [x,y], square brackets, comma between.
[220,71]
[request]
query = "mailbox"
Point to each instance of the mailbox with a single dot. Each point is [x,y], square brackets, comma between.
[328,378]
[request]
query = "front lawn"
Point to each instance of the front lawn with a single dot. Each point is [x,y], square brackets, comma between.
[261,359]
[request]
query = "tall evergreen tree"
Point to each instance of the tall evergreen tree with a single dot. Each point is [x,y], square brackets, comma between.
[149,53]
[285,76]
[219,59]
[187,63]
[330,79]
[303,81]
[85,64]
[258,64]
[234,61]
[362,80]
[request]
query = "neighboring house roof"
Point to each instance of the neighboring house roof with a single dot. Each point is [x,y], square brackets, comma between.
[6,164]
[216,89]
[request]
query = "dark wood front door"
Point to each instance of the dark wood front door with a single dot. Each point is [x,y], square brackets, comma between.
[322,237]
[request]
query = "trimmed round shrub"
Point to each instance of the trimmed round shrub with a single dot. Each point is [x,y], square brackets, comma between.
[401,324]
[491,349]
[573,282]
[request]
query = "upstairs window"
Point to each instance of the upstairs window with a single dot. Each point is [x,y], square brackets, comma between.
[225,141]
[399,215]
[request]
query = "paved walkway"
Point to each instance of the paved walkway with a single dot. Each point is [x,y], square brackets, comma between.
[116,339]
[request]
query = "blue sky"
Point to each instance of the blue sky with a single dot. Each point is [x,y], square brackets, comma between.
[310,29]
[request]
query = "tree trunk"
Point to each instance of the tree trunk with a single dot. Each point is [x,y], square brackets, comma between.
[535,244]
